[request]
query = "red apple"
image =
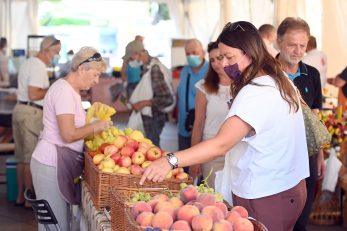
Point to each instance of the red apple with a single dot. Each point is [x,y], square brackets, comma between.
[93,153]
[127,151]
[138,158]
[116,157]
[124,161]
[136,170]
[145,145]
[103,146]
[153,153]
[110,149]
[120,141]
[132,143]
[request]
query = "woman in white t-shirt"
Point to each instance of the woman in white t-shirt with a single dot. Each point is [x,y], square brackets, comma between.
[268,178]
[64,122]
[211,108]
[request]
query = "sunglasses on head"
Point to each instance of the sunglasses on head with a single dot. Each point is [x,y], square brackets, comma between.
[233,27]
[55,42]
[96,57]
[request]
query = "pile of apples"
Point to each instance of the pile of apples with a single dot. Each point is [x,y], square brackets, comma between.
[127,152]
[190,210]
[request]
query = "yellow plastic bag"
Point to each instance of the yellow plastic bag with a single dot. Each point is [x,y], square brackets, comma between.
[99,111]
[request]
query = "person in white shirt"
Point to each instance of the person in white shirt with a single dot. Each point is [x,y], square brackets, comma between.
[27,124]
[268,34]
[317,59]
[269,176]
[4,75]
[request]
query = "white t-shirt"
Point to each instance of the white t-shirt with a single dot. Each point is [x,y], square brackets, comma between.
[60,99]
[275,158]
[216,109]
[33,72]
[317,59]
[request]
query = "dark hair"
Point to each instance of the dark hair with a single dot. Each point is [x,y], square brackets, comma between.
[312,43]
[291,23]
[266,29]
[3,42]
[212,79]
[244,36]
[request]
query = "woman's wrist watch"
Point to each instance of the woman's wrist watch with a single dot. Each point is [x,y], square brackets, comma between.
[172,159]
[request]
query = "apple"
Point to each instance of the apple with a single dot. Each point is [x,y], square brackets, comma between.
[146,163]
[138,158]
[93,153]
[110,149]
[115,168]
[127,151]
[107,170]
[182,176]
[98,158]
[124,161]
[169,175]
[123,170]
[115,157]
[120,141]
[103,146]
[176,171]
[136,170]
[142,149]
[108,163]
[153,153]
[145,145]
[132,143]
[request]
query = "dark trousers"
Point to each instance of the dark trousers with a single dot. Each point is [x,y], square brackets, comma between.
[311,183]
[184,143]
[277,212]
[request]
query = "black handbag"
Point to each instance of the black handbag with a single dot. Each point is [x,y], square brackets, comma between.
[190,114]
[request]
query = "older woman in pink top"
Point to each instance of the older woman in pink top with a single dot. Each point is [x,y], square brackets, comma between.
[61,141]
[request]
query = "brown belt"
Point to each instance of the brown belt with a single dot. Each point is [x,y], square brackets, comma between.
[31,104]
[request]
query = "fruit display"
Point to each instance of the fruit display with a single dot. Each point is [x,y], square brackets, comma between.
[193,208]
[335,121]
[126,152]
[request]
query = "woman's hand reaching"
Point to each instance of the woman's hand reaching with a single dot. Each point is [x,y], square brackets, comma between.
[156,171]
[101,125]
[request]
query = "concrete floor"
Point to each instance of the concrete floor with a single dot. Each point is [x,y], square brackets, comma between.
[20,219]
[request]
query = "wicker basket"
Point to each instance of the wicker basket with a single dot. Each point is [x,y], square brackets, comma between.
[119,205]
[100,183]
[326,209]
[133,226]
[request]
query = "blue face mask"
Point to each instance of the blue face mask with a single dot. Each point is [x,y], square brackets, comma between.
[233,72]
[55,59]
[193,60]
[135,63]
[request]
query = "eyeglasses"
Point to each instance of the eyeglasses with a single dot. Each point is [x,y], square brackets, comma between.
[96,57]
[233,27]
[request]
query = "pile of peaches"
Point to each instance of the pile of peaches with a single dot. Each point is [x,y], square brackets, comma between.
[190,210]
[129,152]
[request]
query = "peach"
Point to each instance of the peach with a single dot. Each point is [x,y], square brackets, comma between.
[153,203]
[243,224]
[232,216]
[176,202]
[206,199]
[188,194]
[187,212]
[161,197]
[162,204]
[176,171]
[196,204]
[222,207]
[241,210]
[170,211]
[162,220]
[214,212]
[222,225]
[180,225]
[140,207]
[202,222]
[145,219]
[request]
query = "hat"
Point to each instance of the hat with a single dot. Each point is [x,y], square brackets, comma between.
[133,47]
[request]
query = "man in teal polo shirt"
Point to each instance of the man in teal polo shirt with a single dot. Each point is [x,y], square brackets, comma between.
[195,70]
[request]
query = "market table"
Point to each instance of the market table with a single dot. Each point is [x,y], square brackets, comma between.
[92,219]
